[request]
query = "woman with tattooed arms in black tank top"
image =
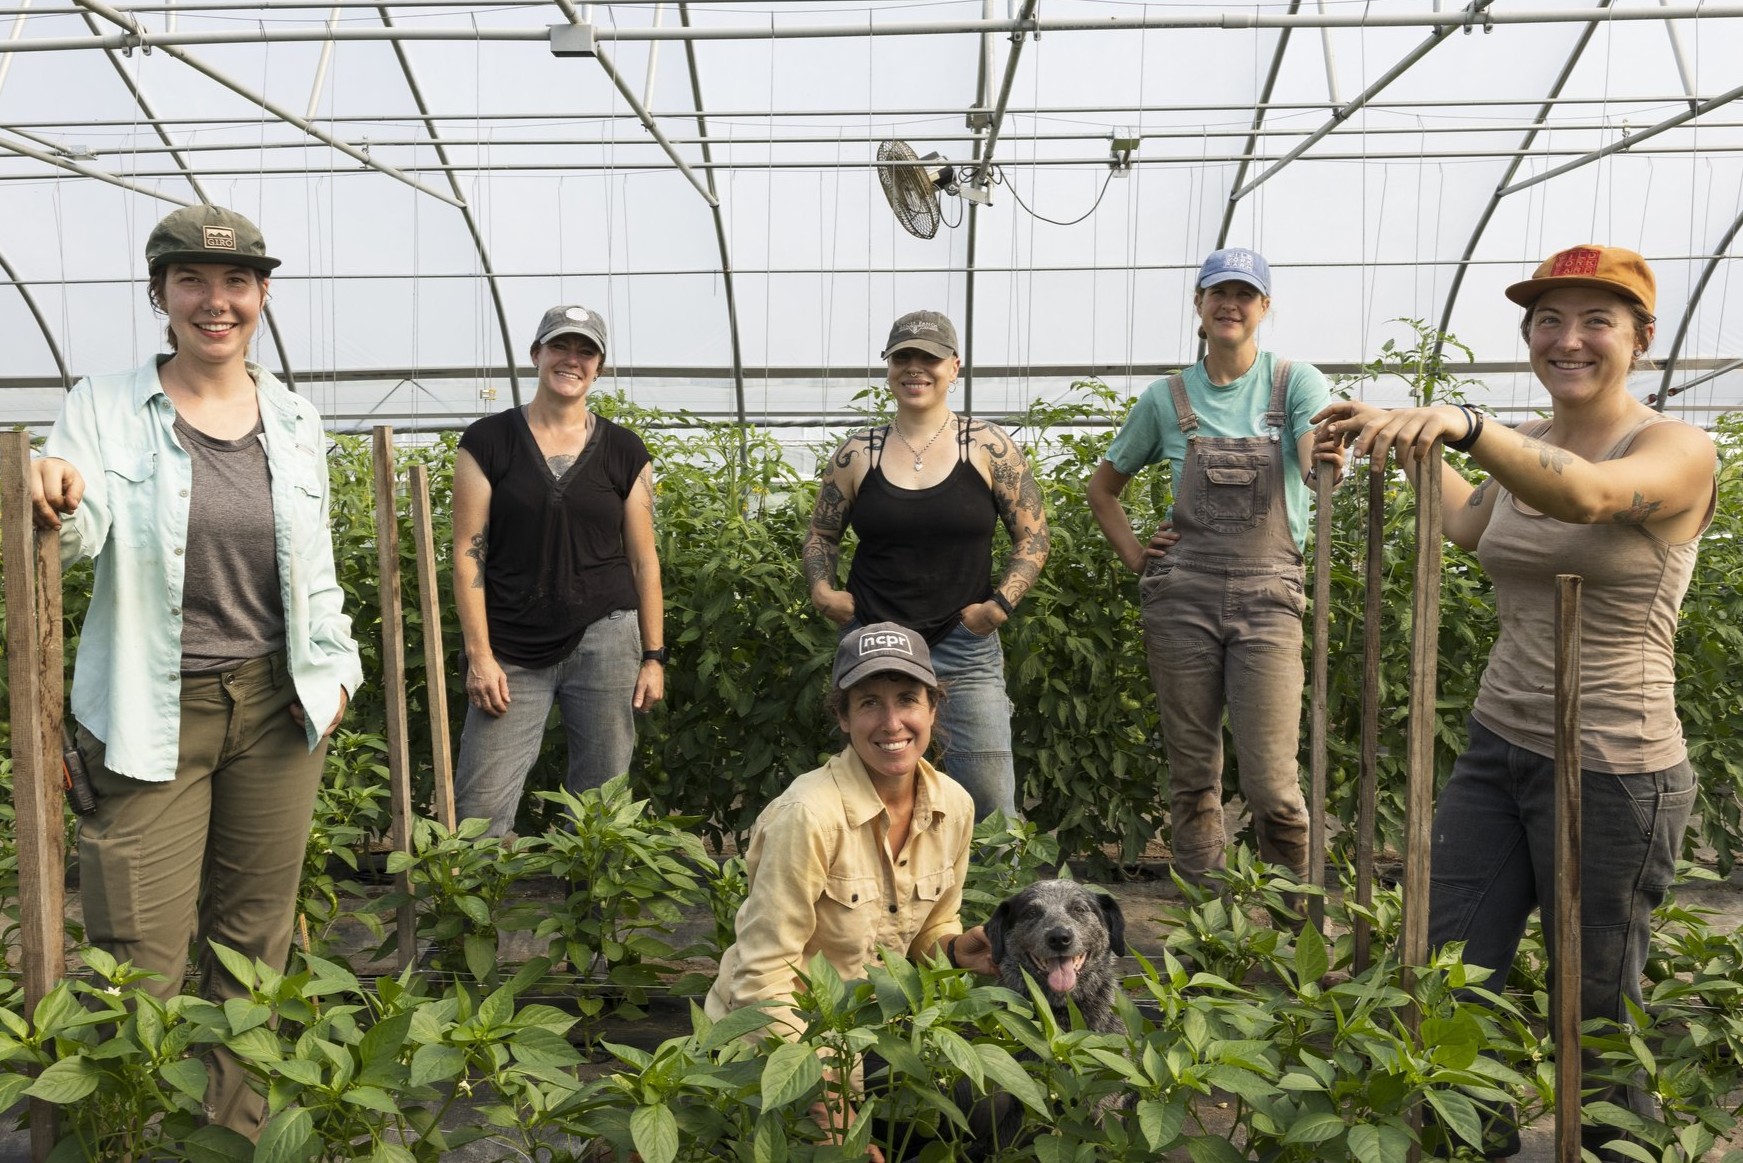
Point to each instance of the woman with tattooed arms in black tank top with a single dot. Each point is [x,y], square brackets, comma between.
[922,494]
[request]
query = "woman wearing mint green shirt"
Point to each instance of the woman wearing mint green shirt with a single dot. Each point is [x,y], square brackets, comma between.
[1221,582]
[215,658]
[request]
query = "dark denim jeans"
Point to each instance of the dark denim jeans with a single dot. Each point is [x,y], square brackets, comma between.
[1494,861]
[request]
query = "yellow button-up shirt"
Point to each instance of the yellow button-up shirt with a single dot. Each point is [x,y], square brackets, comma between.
[823,879]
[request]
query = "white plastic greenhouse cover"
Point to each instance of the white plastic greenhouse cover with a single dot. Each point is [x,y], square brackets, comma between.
[434,175]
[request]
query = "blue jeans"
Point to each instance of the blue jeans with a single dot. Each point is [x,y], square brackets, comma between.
[975,723]
[1494,861]
[594,688]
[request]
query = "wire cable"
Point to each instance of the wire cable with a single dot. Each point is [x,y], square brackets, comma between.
[999,177]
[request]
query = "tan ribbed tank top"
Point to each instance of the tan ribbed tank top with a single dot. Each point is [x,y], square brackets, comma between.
[1633,583]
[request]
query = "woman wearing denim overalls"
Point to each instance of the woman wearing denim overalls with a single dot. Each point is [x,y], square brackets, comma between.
[1221,581]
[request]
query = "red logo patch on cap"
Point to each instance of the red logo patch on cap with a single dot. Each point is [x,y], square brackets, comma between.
[1578,261]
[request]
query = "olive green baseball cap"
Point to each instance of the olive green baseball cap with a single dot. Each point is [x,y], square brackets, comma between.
[207,234]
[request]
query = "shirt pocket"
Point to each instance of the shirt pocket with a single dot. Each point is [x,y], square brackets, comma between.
[129,477]
[933,885]
[850,893]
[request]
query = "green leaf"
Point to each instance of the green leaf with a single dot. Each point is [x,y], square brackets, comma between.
[288,1138]
[1316,1127]
[436,1063]
[790,1073]
[187,1075]
[68,1080]
[1011,1077]
[371,1098]
[1311,957]
[245,1013]
[1211,1149]
[655,1133]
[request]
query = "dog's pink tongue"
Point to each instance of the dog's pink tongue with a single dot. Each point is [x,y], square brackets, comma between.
[1062,977]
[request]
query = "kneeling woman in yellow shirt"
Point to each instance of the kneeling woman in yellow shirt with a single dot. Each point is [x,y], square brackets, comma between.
[869,851]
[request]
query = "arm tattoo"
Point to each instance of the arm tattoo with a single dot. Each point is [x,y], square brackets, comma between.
[1018,497]
[1477,494]
[1548,455]
[1639,513]
[476,552]
[822,550]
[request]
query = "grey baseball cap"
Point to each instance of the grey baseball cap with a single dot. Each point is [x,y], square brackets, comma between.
[930,331]
[207,234]
[881,648]
[563,320]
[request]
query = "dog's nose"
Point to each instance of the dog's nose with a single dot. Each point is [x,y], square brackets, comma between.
[1059,939]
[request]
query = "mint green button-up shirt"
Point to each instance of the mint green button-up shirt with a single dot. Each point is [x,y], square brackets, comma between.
[118,431]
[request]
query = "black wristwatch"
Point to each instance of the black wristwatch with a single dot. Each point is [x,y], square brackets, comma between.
[658,656]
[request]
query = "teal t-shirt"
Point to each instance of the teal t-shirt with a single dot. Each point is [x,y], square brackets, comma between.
[1152,433]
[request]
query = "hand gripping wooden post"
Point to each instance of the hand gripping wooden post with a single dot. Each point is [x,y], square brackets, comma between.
[393,679]
[435,652]
[1316,749]
[1568,759]
[34,660]
[1367,791]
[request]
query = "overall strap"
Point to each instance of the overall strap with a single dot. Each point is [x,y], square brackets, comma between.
[1182,406]
[1277,414]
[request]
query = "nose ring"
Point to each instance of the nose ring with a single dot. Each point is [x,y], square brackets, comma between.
[214,312]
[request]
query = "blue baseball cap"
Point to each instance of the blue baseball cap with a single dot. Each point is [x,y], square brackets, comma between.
[1236,263]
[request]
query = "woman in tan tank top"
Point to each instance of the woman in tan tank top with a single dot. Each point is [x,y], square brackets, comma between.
[1612,490]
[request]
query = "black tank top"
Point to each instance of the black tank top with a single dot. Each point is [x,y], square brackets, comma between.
[923,554]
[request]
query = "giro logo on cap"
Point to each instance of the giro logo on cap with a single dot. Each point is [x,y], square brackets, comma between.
[218,238]
[884,640]
[1578,261]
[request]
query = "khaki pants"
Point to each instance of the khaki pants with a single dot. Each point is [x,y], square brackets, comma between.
[216,854]
[1229,641]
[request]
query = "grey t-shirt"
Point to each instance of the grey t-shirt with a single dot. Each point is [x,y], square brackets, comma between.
[232,610]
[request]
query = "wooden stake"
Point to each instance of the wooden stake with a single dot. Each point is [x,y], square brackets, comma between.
[1424,662]
[1316,748]
[1568,759]
[435,653]
[34,671]
[1367,793]
[393,678]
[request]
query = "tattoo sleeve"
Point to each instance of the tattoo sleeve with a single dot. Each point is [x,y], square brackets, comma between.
[1020,508]
[1478,493]
[476,551]
[822,550]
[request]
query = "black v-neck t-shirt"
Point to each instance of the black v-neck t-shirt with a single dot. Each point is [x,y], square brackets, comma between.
[554,558]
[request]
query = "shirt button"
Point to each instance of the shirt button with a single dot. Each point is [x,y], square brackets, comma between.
[855,899]
[893,908]
[904,863]
[178,551]
[184,492]
[175,612]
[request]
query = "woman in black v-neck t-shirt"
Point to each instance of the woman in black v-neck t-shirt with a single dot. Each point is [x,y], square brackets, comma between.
[556,580]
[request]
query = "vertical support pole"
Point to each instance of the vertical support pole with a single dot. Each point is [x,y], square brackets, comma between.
[34,662]
[393,679]
[1566,994]
[1367,794]
[1316,747]
[1424,662]
[435,650]
[1419,767]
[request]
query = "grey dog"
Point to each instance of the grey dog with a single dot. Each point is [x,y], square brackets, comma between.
[1070,940]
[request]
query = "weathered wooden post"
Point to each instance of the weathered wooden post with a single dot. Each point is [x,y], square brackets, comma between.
[34,671]
[435,652]
[1367,790]
[1419,793]
[1316,747]
[393,680]
[1569,1073]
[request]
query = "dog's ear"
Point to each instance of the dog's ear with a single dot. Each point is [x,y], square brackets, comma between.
[995,930]
[1115,920]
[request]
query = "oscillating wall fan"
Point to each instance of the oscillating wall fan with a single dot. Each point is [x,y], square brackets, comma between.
[912,190]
